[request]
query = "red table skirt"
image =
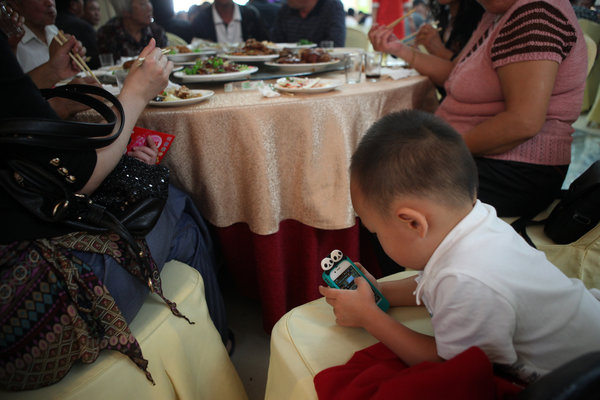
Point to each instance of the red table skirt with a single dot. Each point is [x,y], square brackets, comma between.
[283,270]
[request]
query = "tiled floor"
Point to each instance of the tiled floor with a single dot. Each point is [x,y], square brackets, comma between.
[251,356]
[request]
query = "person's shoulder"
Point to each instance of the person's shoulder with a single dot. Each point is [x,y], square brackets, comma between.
[249,10]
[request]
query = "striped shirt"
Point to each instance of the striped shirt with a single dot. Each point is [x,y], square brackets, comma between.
[531,30]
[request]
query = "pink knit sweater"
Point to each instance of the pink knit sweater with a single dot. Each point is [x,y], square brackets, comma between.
[529,30]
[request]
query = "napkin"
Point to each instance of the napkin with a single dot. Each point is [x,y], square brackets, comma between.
[398,73]
[267,91]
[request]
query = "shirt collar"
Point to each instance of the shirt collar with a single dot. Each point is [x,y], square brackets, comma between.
[237,15]
[50,30]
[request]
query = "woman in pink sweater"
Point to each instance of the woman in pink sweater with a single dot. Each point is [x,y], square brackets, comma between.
[513,93]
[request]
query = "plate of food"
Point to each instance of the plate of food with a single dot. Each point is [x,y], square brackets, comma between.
[301,44]
[252,51]
[214,69]
[302,67]
[306,85]
[305,60]
[176,95]
[182,53]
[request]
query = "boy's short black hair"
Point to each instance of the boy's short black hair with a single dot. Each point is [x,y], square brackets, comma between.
[414,153]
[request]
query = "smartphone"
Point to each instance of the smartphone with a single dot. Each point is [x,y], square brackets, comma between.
[342,275]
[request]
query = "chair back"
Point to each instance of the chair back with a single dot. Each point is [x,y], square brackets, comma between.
[592,50]
[357,38]
[175,40]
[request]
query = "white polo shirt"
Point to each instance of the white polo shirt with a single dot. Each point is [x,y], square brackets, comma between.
[485,286]
[231,33]
[31,51]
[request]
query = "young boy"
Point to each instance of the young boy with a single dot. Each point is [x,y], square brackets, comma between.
[414,184]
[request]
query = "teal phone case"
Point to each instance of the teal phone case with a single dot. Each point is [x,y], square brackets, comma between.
[380,300]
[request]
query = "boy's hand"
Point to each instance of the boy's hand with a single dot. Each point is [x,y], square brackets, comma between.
[351,307]
[147,153]
[368,275]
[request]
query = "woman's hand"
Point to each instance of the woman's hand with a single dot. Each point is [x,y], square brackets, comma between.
[351,307]
[150,78]
[147,153]
[429,37]
[383,39]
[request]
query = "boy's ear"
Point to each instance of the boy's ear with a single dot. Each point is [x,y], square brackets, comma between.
[414,220]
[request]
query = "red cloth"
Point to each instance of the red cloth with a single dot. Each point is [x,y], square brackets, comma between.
[377,373]
[283,270]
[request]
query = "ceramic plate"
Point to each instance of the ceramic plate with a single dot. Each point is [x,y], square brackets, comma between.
[293,46]
[215,77]
[258,58]
[184,57]
[203,95]
[307,85]
[303,67]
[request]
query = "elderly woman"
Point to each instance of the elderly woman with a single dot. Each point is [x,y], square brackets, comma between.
[130,31]
[513,93]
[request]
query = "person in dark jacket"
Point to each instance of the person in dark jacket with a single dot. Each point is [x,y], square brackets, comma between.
[226,22]
[68,19]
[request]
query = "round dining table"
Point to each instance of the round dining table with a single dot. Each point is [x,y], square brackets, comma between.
[270,174]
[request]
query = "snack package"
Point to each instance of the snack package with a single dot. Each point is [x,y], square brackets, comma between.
[163,140]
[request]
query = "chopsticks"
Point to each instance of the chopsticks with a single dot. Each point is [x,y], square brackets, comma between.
[140,60]
[61,39]
[396,22]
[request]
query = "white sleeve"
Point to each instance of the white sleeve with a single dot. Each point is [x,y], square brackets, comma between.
[467,313]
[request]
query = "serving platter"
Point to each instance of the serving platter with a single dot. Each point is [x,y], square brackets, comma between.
[215,77]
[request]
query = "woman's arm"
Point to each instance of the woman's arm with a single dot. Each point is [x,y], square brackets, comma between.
[526,87]
[142,84]
[436,68]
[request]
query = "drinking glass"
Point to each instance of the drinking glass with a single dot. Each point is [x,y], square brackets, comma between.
[353,67]
[373,65]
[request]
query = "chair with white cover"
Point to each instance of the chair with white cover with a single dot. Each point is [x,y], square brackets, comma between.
[186,361]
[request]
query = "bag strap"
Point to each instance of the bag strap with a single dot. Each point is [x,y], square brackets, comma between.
[520,226]
[58,134]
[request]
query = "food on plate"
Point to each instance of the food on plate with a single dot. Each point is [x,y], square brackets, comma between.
[214,65]
[253,47]
[305,56]
[128,64]
[299,83]
[179,49]
[177,93]
[304,42]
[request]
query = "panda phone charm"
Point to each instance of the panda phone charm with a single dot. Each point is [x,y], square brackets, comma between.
[339,272]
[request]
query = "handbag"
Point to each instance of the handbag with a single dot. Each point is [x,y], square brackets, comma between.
[50,199]
[579,209]
[577,212]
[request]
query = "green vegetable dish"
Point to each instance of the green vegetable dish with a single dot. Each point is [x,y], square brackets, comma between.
[214,65]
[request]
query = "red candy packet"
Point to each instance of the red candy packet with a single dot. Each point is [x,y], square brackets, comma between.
[163,140]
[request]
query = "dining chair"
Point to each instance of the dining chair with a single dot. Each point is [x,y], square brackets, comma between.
[186,361]
[357,38]
[175,40]
[592,29]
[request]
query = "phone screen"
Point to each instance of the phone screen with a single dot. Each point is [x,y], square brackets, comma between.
[344,277]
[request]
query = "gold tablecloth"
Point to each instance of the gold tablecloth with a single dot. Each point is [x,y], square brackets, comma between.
[248,158]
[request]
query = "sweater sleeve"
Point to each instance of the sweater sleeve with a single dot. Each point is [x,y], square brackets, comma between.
[534,31]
